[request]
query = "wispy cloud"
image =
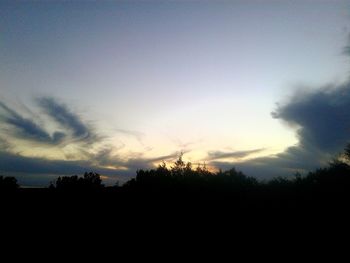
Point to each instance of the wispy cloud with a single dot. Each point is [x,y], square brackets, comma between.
[26,128]
[214,155]
[107,157]
[136,134]
[146,163]
[4,145]
[64,117]
[346,49]
[29,129]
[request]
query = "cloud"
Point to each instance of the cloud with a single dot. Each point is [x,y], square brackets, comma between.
[138,135]
[322,122]
[26,128]
[148,163]
[27,168]
[40,171]
[214,155]
[105,161]
[63,116]
[293,159]
[346,49]
[4,145]
[323,117]
[133,162]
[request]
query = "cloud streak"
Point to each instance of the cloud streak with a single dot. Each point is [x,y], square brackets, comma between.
[26,128]
[106,157]
[63,116]
[43,170]
[214,155]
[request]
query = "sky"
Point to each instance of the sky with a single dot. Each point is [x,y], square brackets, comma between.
[115,86]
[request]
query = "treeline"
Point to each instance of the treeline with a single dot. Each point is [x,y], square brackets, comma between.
[181,180]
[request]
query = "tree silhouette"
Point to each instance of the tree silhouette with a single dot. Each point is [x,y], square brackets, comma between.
[92,180]
[89,181]
[181,181]
[8,183]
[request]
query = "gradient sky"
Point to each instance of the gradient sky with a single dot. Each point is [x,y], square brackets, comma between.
[115,85]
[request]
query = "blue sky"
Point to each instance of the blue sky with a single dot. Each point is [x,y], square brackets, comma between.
[117,85]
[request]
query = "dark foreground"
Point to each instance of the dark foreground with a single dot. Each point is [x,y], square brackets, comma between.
[162,203]
[182,196]
[145,217]
[177,210]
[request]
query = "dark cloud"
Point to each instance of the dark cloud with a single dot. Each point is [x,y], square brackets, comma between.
[63,116]
[46,170]
[293,159]
[10,162]
[40,171]
[322,121]
[323,118]
[214,155]
[26,128]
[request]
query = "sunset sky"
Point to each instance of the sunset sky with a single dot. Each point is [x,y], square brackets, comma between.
[114,86]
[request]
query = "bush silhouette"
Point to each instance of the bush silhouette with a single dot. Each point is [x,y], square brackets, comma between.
[8,183]
[89,181]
